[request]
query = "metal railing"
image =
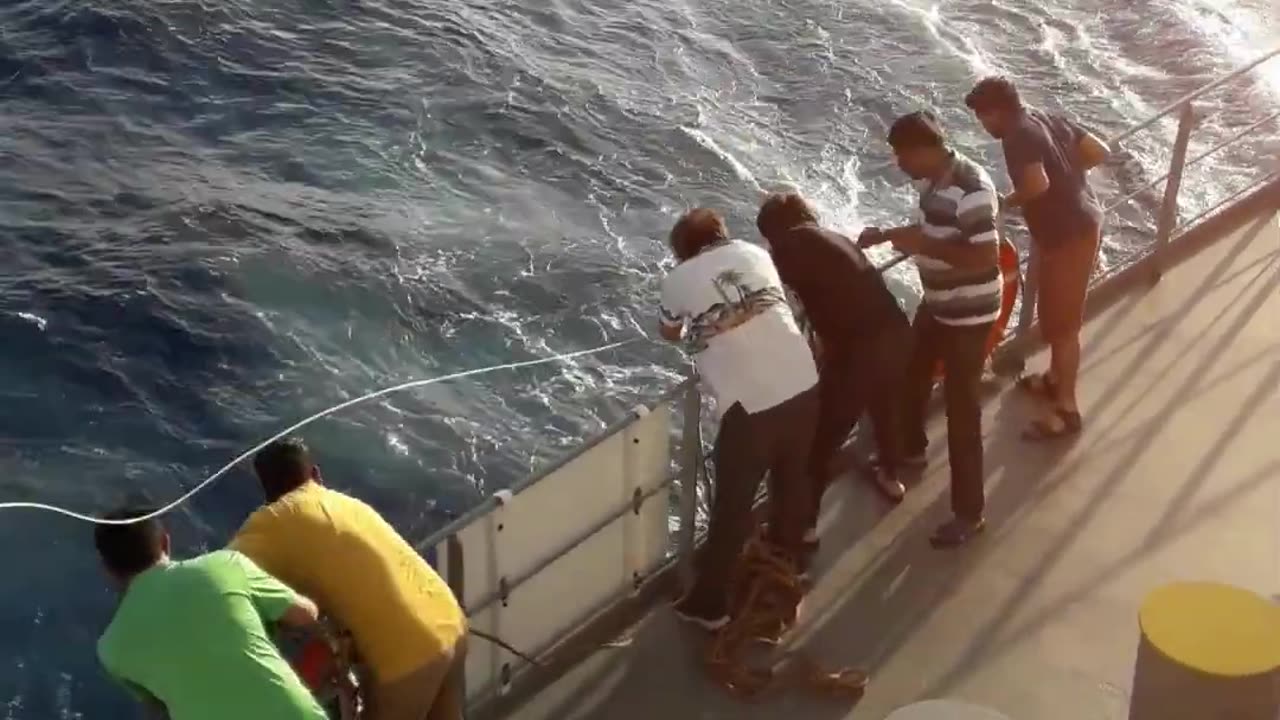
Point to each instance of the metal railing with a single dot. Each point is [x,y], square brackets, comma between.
[495,602]
[1167,217]
[685,402]
[1167,224]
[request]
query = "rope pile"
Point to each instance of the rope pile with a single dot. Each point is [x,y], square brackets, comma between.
[766,594]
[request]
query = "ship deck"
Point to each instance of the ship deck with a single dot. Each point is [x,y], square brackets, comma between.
[1177,476]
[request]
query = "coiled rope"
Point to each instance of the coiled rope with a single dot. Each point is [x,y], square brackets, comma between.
[303,423]
[766,595]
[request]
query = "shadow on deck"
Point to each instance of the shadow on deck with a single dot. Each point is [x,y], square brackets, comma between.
[1177,476]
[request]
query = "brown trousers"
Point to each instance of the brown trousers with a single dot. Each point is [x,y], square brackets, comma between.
[1063,273]
[432,692]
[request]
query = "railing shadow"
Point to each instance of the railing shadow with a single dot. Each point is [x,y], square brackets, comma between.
[986,639]
[884,582]
[1116,316]
[1162,332]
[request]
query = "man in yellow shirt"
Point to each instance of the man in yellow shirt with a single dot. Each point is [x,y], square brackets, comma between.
[406,625]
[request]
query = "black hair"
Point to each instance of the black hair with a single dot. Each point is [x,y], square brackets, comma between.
[783,211]
[282,467]
[917,129]
[994,93]
[128,549]
[695,231]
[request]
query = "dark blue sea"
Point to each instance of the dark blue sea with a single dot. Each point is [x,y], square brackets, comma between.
[219,217]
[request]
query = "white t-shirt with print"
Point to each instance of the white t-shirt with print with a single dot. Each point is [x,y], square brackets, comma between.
[739,327]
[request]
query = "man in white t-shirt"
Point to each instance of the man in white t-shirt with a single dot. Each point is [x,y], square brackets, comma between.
[726,302]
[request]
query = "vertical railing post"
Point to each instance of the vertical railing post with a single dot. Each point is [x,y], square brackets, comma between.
[1030,291]
[691,467]
[456,574]
[1169,207]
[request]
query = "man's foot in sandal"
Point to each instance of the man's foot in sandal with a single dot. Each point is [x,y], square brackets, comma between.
[1058,424]
[1041,385]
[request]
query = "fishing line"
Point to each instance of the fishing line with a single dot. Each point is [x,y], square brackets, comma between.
[302,423]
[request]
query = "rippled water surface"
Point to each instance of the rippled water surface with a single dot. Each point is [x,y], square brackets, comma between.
[218,217]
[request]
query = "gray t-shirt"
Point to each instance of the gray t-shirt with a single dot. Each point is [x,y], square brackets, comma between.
[1068,210]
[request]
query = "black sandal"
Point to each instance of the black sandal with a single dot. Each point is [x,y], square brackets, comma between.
[1040,385]
[1063,423]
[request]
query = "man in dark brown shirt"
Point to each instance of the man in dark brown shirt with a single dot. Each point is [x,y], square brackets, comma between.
[1047,157]
[864,338]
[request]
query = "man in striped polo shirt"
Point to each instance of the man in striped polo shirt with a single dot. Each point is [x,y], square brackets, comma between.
[955,246]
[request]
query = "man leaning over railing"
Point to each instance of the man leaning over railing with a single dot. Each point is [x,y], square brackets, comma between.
[726,302]
[407,627]
[863,334]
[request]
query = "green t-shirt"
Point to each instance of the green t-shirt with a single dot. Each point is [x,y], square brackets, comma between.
[192,635]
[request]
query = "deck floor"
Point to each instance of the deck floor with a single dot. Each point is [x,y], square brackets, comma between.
[1176,477]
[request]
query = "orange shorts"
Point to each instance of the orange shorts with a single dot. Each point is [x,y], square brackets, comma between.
[432,692]
[1063,273]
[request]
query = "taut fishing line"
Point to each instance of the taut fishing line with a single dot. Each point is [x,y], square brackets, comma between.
[302,423]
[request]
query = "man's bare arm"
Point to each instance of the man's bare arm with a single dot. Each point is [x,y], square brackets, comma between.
[670,333]
[1033,183]
[303,613]
[1093,151]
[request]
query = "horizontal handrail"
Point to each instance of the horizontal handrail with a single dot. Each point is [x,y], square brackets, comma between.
[692,404]
[512,584]
[1177,104]
[1263,180]
[895,261]
[1231,140]
[1165,112]
[1117,204]
[493,500]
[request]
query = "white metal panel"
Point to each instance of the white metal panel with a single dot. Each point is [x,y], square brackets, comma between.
[649,461]
[484,659]
[545,518]
[561,597]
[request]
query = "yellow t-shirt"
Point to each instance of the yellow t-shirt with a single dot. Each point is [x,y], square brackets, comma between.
[341,553]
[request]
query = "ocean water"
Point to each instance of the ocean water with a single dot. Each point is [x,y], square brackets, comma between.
[219,217]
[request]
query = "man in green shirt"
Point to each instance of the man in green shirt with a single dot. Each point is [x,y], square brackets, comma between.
[190,637]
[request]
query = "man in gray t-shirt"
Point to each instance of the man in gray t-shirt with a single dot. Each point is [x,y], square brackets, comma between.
[1048,157]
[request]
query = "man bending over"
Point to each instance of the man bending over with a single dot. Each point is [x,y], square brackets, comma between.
[190,638]
[407,628]
[726,301]
[865,337]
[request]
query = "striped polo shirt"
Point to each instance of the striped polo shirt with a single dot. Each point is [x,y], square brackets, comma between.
[961,207]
